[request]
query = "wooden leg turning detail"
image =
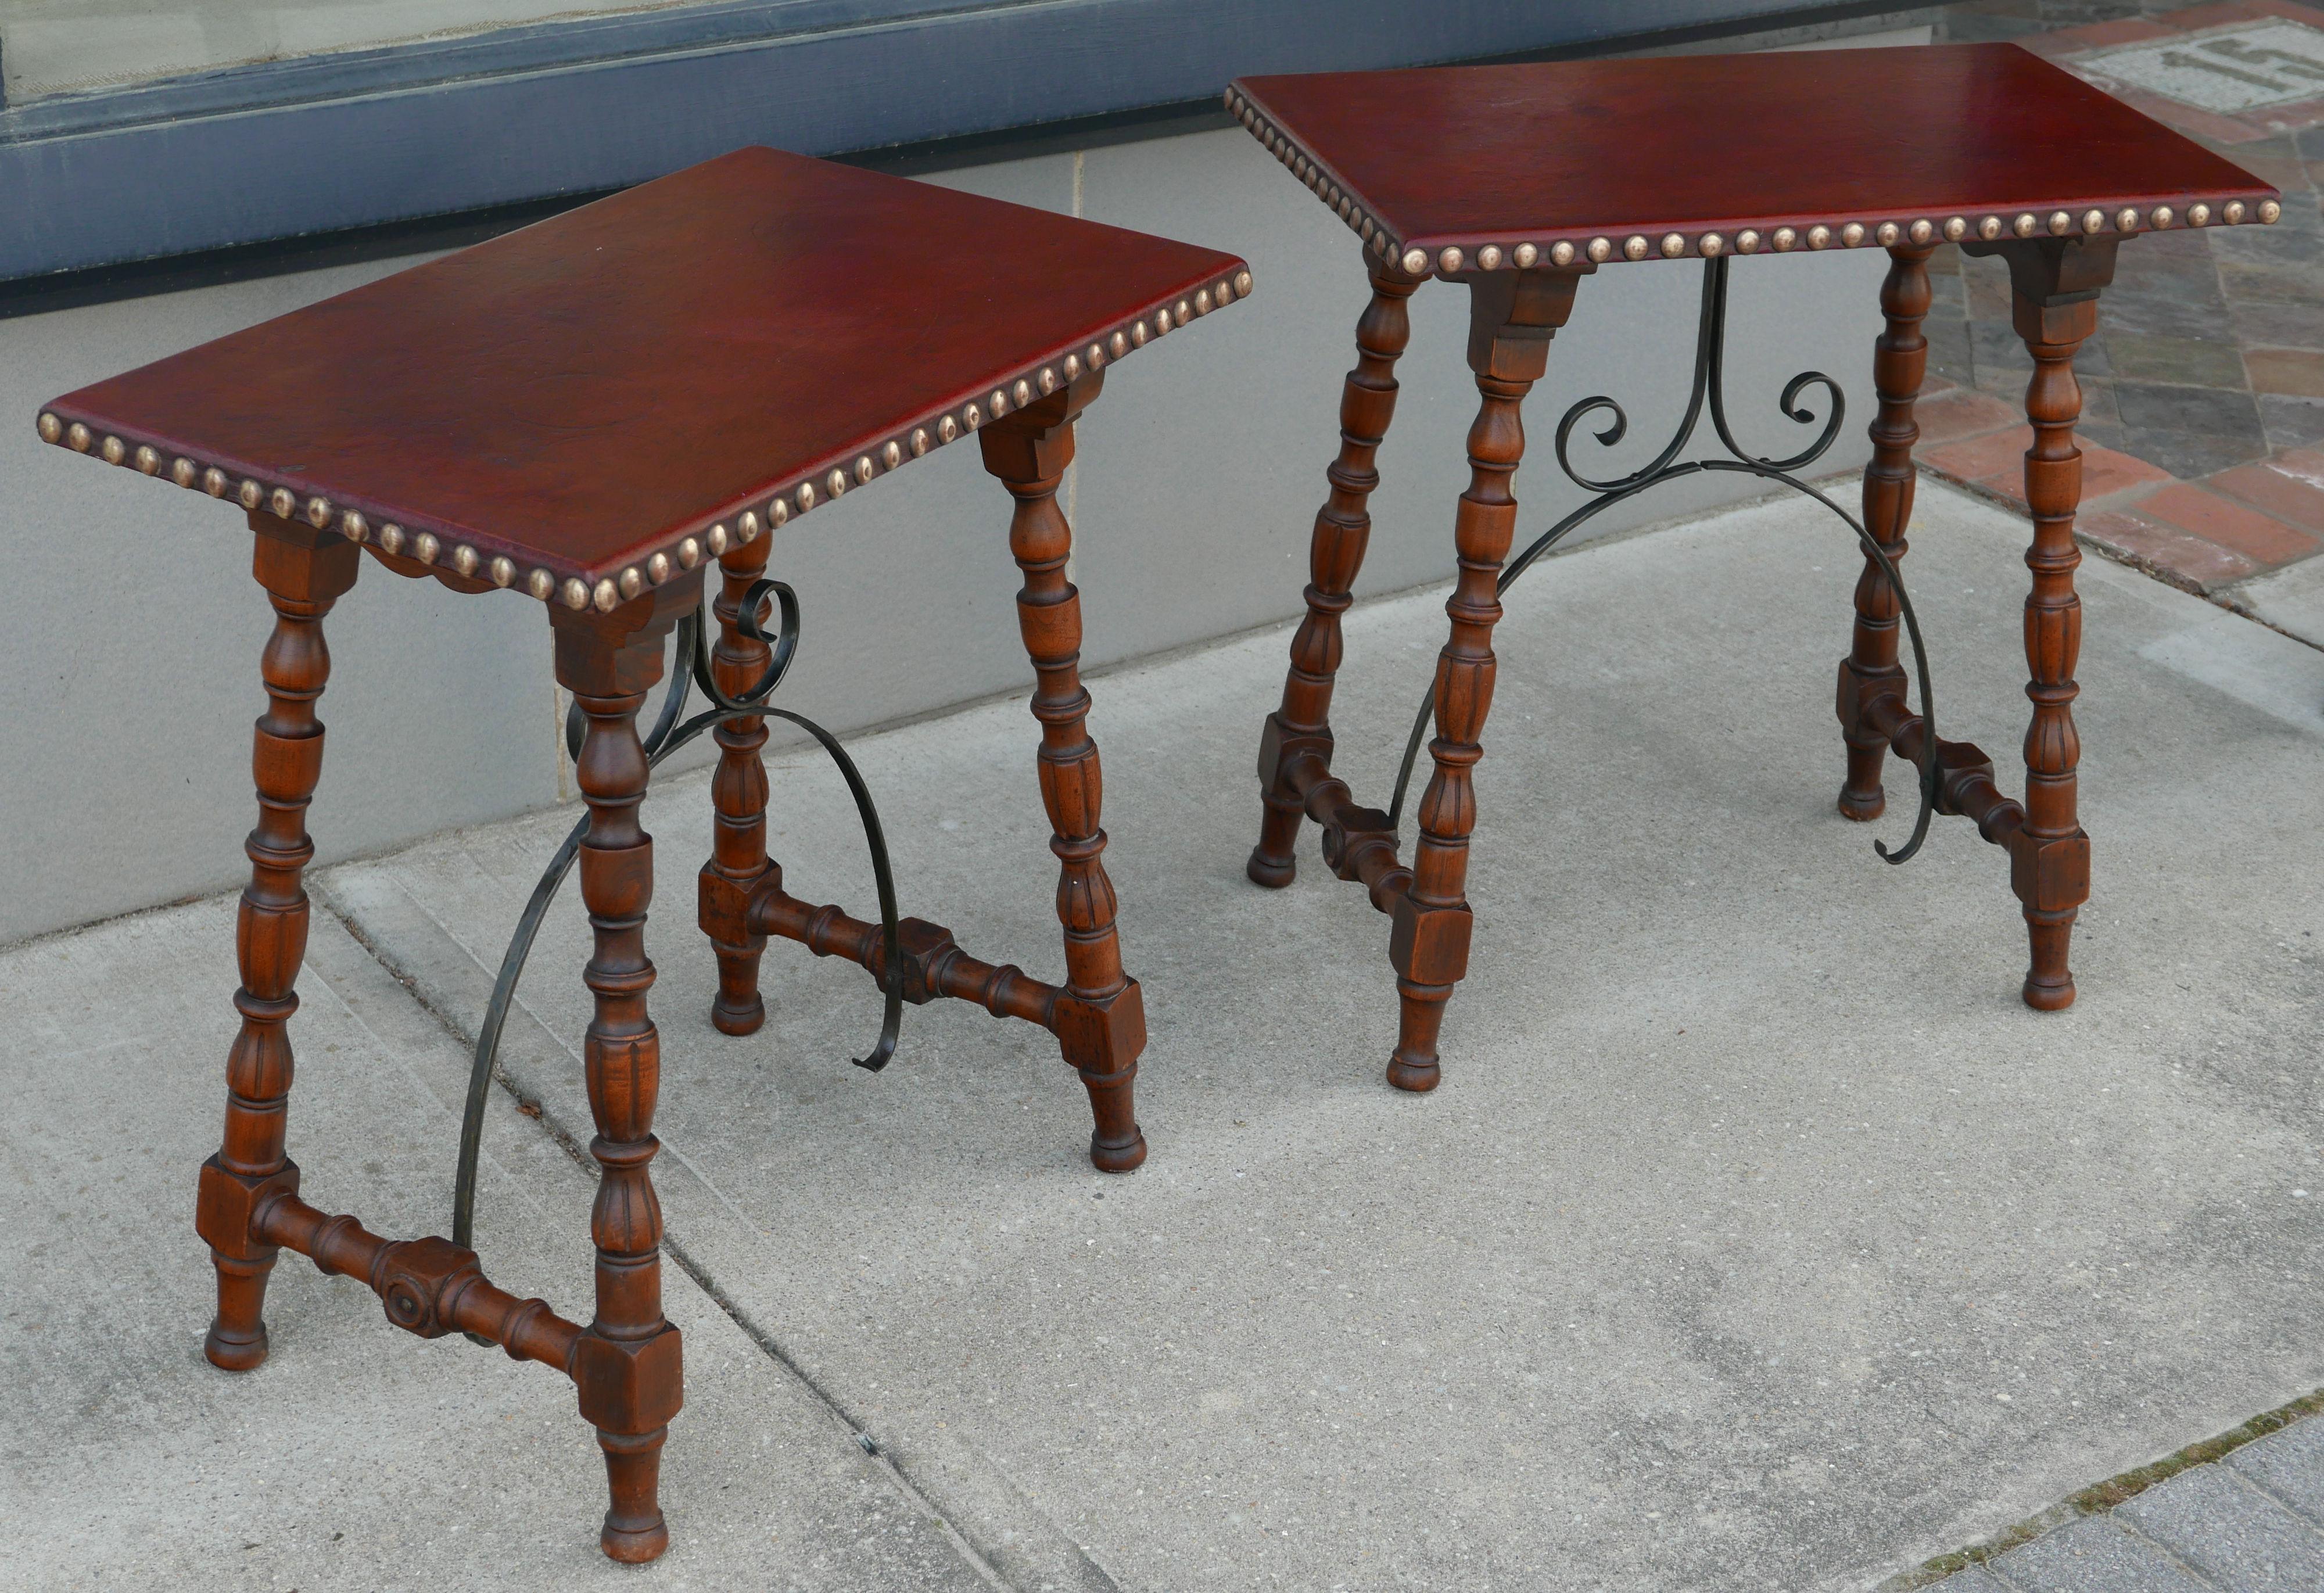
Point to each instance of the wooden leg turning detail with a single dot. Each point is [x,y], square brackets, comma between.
[1100,1020]
[304,571]
[2056,292]
[1899,362]
[739,793]
[1513,315]
[626,1364]
[1301,730]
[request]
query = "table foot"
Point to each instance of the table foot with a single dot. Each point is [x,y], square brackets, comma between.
[237,1341]
[635,1532]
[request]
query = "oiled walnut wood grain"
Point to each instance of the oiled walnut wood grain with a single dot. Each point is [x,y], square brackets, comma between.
[1512,316]
[1100,1020]
[1301,730]
[1900,360]
[304,571]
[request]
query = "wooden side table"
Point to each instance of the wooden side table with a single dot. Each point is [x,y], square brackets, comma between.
[1517,182]
[592,412]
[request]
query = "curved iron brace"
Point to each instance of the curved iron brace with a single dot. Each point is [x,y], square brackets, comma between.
[667,737]
[1709,388]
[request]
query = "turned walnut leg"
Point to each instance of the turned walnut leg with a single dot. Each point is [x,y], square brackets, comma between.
[304,571]
[1512,316]
[626,1364]
[2056,285]
[1900,360]
[1301,729]
[1101,1021]
[738,791]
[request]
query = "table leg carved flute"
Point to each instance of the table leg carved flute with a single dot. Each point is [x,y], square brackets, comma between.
[450,481]
[1516,182]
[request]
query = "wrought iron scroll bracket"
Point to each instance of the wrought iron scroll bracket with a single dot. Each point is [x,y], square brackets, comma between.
[1709,393]
[667,736]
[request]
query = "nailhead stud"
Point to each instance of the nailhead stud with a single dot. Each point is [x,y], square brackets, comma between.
[1989,228]
[1819,236]
[1489,258]
[284,502]
[1527,255]
[606,598]
[354,527]
[658,568]
[576,594]
[1747,242]
[1888,234]
[319,513]
[779,510]
[835,482]
[541,584]
[76,438]
[503,570]
[2270,211]
[1955,229]
[690,553]
[215,481]
[631,581]
[148,458]
[1784,238]
[865,469]
[2233,215]
[1852,235]
[746,528]
[892,455]
[185,472]
[424,547]
[1923,232]
[1560,252]
[390,539]
[1711,244]
[1634,247]
[2126,219]
[1415,260]
[51,429]
[714,538]
[1674,245]
[463,559]
[2161,217]
[2199,214]
[115,450]
[1601,250]
[2026,225]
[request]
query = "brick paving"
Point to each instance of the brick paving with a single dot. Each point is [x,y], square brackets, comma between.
[2250,1522]
[2203,413]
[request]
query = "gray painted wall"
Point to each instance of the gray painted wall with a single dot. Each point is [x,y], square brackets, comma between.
[130,672]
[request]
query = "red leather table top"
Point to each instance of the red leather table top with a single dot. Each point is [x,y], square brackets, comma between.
[1704,155]
[642,379]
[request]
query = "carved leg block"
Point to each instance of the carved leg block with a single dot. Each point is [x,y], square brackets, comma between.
[739,793]
[1512,317]
[1301,728]
[1100,1022]
[1899,362]
[626,1364]
[304,571]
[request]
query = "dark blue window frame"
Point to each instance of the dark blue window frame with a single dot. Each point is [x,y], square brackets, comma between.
[326,143]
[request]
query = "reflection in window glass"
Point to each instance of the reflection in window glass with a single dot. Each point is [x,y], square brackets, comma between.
[49,47]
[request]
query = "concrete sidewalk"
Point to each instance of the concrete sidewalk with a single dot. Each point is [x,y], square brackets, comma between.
[1759,1237]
